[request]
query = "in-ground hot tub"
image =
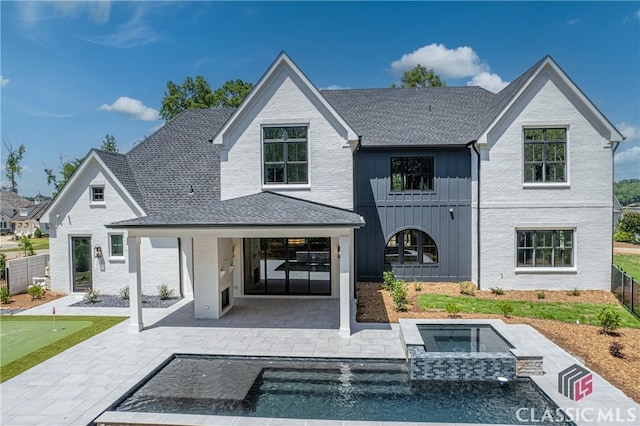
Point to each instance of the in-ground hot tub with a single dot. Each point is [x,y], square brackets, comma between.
[457,350]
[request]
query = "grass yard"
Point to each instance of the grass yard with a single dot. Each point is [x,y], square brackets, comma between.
[38,244]
[26,341]
[629,263]
[585,313]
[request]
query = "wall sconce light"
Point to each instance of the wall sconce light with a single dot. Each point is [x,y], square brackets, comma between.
[338,251]
[451,213]
[97,252]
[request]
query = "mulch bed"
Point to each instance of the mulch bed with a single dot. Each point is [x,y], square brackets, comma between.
[585,342]
[110,301]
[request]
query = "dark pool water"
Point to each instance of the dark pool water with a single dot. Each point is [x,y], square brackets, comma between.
[326,389]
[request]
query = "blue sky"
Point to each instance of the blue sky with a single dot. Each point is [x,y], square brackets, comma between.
[73,71]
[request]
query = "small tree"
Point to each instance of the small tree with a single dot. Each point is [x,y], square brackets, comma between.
[608,319]
[13,168]
[420,76]
[109,144]
[627,228]
[26,246]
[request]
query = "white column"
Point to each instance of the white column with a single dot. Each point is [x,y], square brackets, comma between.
[206,300]
[345,286]
[135,285]
[186,260]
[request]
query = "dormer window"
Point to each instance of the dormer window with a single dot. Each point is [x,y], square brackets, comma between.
[285,155]
[23,212]
[97,194]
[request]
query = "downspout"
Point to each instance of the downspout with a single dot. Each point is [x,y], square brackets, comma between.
[355,238]
[473,145]
[614,147]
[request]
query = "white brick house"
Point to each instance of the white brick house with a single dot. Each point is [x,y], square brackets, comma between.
[268,199]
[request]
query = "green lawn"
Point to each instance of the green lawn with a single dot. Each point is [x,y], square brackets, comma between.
[38,244]
[26,341]
[629,263]
[568,312]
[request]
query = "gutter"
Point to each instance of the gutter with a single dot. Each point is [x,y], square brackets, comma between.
[473,144]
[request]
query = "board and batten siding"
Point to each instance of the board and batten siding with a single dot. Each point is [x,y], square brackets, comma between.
[583,203]
[387,212]
[286,101]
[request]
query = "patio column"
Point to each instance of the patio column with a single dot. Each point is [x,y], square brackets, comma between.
[186,262]
[135,285]
[344,252]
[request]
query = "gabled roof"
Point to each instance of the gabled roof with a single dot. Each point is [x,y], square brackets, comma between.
[433,116]
[507,96]
[9,200]
[263,209]
[282,62]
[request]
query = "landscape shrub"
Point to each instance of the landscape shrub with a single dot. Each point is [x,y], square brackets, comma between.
[164,292]
[91,296]
[400,295]
[467,288]
[417,286]
[35,291]
[608,319]
[541,295]
[574,292]
[124,293]
[497,291]
[3,265]
[453,309]
[26,246]
[615,349]
[628,227]
[37,233]
[388,279]
[5,296]
[506,308]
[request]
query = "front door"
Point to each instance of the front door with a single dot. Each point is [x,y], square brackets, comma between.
[81,259]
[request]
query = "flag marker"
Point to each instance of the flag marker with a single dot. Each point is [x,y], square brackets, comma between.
[53,312]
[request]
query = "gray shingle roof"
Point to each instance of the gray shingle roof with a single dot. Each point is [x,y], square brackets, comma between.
[9,200]
[262,209]
[119,166]
[412,116]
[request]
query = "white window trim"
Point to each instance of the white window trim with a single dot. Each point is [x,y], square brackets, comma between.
[92,202]
[117,259]
[545,269]
[285,186]
[547,185]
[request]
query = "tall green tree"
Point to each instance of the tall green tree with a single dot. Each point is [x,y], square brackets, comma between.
[627,191]
[66,170]
[420,76]
[109,144]
[12,164]
[197,94]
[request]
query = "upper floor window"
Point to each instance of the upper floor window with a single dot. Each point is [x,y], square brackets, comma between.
[545,248]
[545,155]
[410,246]
[411,174]
[285,155]
[97,194]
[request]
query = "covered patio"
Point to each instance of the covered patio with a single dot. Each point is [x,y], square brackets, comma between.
[218,267]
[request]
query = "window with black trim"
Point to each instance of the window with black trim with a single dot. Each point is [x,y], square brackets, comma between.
[411,174]
[545,248]
[285,155]
[545,155]
[116,245]
[411,246]
[97,194]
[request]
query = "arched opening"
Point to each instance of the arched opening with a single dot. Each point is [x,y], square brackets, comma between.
[410,246]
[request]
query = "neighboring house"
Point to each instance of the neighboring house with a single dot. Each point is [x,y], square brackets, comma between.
[11,204]
[300,192]
[28,220]
[617,213]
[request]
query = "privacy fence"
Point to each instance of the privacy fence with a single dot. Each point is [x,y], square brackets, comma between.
[626,289]
[20,272]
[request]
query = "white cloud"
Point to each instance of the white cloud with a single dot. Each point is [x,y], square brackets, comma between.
[637,14]
[460,62]
[133,108]
[629,131]
[573,21]
[488,81]
[133,33]
[334,87]
[628,156]
[33,13]
[4,82]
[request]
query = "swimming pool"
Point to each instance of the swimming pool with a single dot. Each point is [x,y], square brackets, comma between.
[336,389]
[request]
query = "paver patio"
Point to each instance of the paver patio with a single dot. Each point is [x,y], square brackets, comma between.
[76,386]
